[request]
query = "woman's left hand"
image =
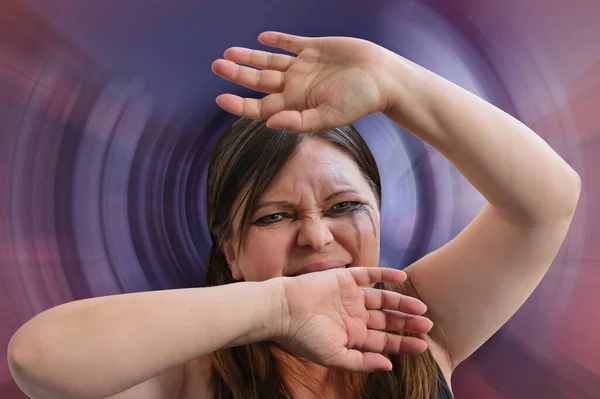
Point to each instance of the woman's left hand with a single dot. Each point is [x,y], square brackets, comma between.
[332,82]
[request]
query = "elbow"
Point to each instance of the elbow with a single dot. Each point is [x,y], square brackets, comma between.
[562,210]
[560,207]
[28,370]
[555,208]
[18,356]
[572,194]
[22,364]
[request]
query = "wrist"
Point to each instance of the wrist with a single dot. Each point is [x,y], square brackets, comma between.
[262,307]
[403,87]
[277,309]
[252,303]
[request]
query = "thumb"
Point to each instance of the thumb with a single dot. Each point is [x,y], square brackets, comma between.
[360,362]
[307,121]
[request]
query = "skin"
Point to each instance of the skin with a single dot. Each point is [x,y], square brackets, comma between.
[477,281]
[331,213]
[471,286]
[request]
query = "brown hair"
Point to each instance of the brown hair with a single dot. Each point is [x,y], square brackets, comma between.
[245,160]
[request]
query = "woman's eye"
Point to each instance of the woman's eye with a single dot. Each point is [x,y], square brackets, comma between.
[270,219]
[344,206]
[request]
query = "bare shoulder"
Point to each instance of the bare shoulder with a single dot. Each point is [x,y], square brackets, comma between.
[191,380]
[198,379]
[436,339]
[166,385]
[441,356]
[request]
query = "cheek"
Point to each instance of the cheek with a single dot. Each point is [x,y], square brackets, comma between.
[264,254]
[359,234]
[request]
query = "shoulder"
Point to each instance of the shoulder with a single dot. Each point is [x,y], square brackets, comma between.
[435,338]
[442,358]
[198,379]
[167,384]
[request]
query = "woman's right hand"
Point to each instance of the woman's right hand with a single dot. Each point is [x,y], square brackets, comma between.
[333,319]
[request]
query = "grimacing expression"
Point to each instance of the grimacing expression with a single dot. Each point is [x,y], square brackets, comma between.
[318,213]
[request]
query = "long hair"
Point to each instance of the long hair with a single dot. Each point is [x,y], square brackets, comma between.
[245,160]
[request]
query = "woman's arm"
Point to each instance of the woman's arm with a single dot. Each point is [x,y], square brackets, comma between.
[510,165]
[475,283]
[99,347]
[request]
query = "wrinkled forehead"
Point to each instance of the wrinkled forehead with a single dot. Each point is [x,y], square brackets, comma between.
[317,169]
[315,185]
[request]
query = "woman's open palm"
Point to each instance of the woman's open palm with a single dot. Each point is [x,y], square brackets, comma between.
[330,83]
[332,318]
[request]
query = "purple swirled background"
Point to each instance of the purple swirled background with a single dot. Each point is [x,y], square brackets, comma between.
[107,119]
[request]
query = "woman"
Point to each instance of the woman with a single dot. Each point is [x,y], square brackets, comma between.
[297,306]
[309,203]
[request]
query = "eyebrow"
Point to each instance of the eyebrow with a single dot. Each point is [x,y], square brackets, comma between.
[283,204]
[287,204]
[346,191]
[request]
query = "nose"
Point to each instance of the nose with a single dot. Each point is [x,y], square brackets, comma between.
[315,233]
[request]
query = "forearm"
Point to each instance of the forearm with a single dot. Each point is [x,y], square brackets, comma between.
[97,347]
[510,165]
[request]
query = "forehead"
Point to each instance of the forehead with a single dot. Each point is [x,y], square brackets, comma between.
[319,167]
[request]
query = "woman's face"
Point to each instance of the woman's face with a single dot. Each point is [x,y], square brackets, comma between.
[318,213]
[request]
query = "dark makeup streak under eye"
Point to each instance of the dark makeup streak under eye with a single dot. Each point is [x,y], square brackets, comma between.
[356,230]
[353,218]
[365,210]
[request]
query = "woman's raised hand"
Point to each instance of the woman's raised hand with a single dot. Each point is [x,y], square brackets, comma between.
[333,319]
[332,82]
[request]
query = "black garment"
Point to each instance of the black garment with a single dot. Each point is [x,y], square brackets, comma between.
[443,390]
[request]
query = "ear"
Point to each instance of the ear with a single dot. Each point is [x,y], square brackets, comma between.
[229,251]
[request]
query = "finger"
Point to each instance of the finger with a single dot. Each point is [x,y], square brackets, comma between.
[309,120]
[356,361]
[284,41]
[383,342]
[264,81]
[259,59]
[295,121]
[252,108]
[370,275]
[385,299]
[398,321]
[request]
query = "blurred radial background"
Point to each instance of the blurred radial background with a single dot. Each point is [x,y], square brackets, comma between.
[107,120]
